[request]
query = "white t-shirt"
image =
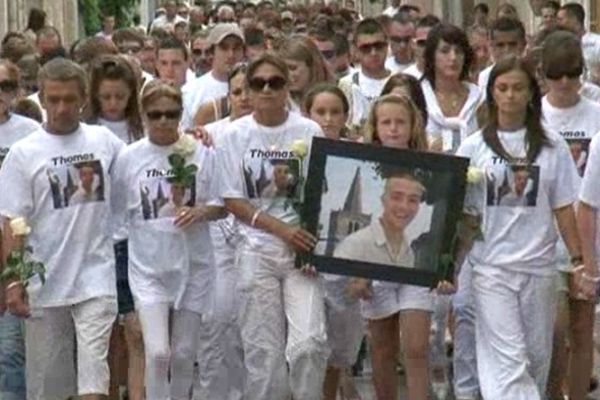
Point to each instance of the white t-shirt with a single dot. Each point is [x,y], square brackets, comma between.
[390,11]
[413,70]
[14,129]
[577,125]
[35,97]
[256,163]
[590,91]
[363,94]
[451,130]
[161,255]
[42,173]
[119,128]
[518,201]
[590,45]
[198,92]
[164,23]
[395,66]
[590,189]
[483,79]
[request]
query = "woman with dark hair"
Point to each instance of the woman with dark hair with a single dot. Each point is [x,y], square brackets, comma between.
[327,105]
[529,188]
[222,331]
[576,119]
[263,159]
[451,99]
[113,103]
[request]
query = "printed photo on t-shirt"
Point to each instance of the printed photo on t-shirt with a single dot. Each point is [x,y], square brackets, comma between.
[513,185]
[579,150]
[75,183]
[162,199]
[272,178]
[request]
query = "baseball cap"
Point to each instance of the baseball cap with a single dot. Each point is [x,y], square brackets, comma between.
[287,15]
[223,30]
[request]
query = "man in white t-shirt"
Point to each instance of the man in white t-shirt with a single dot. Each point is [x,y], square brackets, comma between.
[571,16]
[169,19]
[364,86]
[78,297]
[172,62]
[108,27]
[402,33]
[226,43]
[507,37]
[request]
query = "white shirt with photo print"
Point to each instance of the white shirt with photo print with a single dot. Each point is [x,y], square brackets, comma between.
[248,154]
[14,129]
[590,186]
[577,125]
[520,237]
[165,261]
[40,173]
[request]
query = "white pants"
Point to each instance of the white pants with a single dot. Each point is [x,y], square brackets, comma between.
[220,355]
[50,337]
[273,291]
[178,358]
[514,327]
[466,382]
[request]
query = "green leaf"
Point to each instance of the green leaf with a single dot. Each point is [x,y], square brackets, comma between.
[176,160]
[191,169]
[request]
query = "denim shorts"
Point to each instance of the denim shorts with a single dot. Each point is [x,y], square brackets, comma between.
[124,297]
[12,358]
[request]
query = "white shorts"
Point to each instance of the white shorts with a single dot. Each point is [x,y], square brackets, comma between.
[50,338]
[390,298]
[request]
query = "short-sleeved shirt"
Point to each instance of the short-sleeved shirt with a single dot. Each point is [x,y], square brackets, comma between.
[518,201]
[590,186]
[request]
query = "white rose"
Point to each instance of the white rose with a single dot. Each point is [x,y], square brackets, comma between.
[19,227]
[186,145]
[300,148]
[474,175]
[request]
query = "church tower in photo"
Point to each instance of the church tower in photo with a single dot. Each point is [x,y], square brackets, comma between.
[349,218]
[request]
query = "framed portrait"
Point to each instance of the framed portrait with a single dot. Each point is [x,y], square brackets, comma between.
[383,213]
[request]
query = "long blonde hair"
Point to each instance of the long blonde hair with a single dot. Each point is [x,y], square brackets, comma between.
[418,137]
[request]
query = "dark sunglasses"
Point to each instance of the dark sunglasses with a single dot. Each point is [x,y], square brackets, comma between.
[275,83]
[9,86]
[200,52]
[421,42]
[328,54]
[368,48]
[559,73]
[169,114]
[401,39]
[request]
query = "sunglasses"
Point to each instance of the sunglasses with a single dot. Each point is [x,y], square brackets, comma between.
[368,48]
[328,54]
[200,52]
[401,39]
[129,49]
[421,42]
[275,83]
[558,74]
[8,86]
[169,114]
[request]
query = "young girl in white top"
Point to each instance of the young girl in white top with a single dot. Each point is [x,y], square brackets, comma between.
[391,308]
[327,105]
[575,118]
[167,192]
[263,157]
[221,353]
[529,188]
[452,101]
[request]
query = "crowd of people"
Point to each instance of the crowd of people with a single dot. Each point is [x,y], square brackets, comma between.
[158,171]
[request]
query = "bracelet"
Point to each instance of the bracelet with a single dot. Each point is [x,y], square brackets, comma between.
[255,217]
[13,285]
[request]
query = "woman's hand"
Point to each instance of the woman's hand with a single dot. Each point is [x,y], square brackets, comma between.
[201,134]
[187,216]
[297,238]
[17,302]
[583,284]
[360,288]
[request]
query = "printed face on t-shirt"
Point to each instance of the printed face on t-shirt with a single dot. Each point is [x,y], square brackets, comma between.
[161,197]
[271,174]
[579,150]
[75,179]
[512,185]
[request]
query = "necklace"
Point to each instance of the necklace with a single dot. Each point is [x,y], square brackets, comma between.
[451,103]
[271,141]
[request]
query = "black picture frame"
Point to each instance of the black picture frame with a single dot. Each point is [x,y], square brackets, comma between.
[445,183]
